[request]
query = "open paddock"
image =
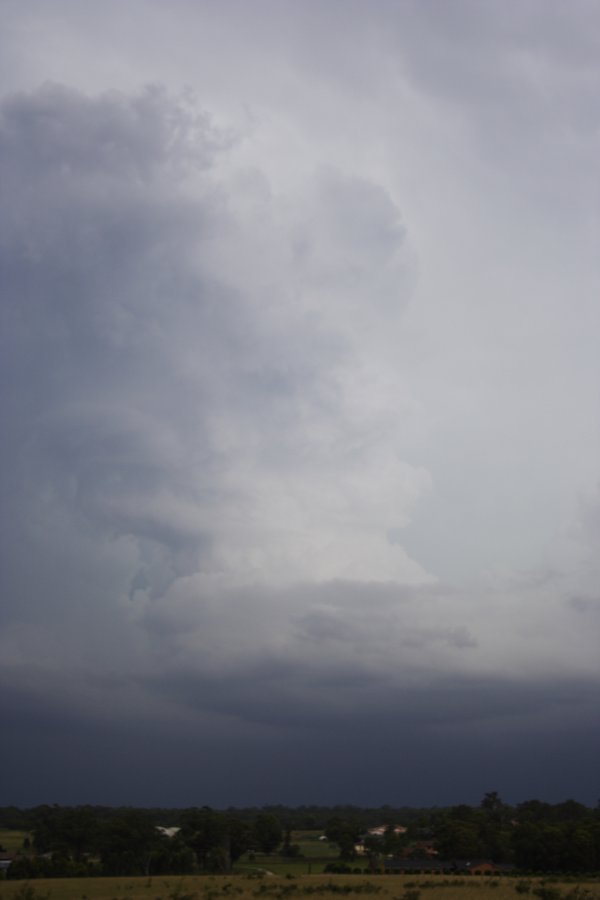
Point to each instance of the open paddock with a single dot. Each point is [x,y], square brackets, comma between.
[317,887]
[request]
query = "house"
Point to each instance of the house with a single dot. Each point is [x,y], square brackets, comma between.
[486,867]
[378,833]
[422,848]
[481,867]
[168,832]
[428,865]
[381,830]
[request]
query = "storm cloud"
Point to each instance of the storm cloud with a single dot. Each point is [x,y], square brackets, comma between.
[299,386]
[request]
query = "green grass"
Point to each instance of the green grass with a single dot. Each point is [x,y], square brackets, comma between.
[312,847]
[278,865]
[12,840]
[314,856]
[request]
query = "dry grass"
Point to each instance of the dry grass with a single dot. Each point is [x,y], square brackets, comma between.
[305,887]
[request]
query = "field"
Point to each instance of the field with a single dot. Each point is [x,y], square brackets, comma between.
[274,877]
[314,856]
[317,887]
[11,840]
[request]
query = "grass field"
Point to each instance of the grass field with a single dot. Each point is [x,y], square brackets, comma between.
[314,856]
[312,847]
[318,887]
[12,840]
[279,866]
[277,878]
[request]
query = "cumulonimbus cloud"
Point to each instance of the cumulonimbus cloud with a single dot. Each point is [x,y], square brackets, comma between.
[204,491]
[183,355]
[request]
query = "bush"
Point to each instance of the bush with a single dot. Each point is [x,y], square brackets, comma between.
[411,894]
[547,893]
[27,892]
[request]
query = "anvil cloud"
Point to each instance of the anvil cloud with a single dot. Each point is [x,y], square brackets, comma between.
[299,388]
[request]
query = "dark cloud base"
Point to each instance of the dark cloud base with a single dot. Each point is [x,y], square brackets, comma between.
[389,764]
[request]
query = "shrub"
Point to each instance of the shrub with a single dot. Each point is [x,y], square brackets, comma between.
[27,892]
[411,894]
[547,893]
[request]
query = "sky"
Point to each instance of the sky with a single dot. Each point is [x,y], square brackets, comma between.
[300,397]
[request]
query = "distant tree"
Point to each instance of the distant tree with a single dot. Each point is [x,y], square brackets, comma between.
[79,831]
[571,811]
[217,839]
[127,843]
[496,815]
[533,811]
[205,831]
[267,833]
[345,834]
[173,856]
[491,802]
[45,828]
[393,842]
[238,838]
[462,812]
[458,840]
[289,850]
[583,848]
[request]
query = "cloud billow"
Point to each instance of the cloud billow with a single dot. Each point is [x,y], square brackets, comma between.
[204,483]
[162,406]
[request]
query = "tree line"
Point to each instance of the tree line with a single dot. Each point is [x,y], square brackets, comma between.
[532,836]
[84,840]
[97,840]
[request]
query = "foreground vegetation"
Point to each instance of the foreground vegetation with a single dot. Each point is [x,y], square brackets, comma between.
[308,887]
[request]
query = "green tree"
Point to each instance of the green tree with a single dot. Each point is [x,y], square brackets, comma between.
[205,831]
[267,833]
[127,843]
[217,839]
[494,809]
[238,838]
[456,839]
[345,834]
[393,843]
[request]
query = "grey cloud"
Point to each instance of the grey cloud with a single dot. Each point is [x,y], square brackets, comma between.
[585,604]
[351,626]
[280,702]
[60,130]
[227,397]
[146,385]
